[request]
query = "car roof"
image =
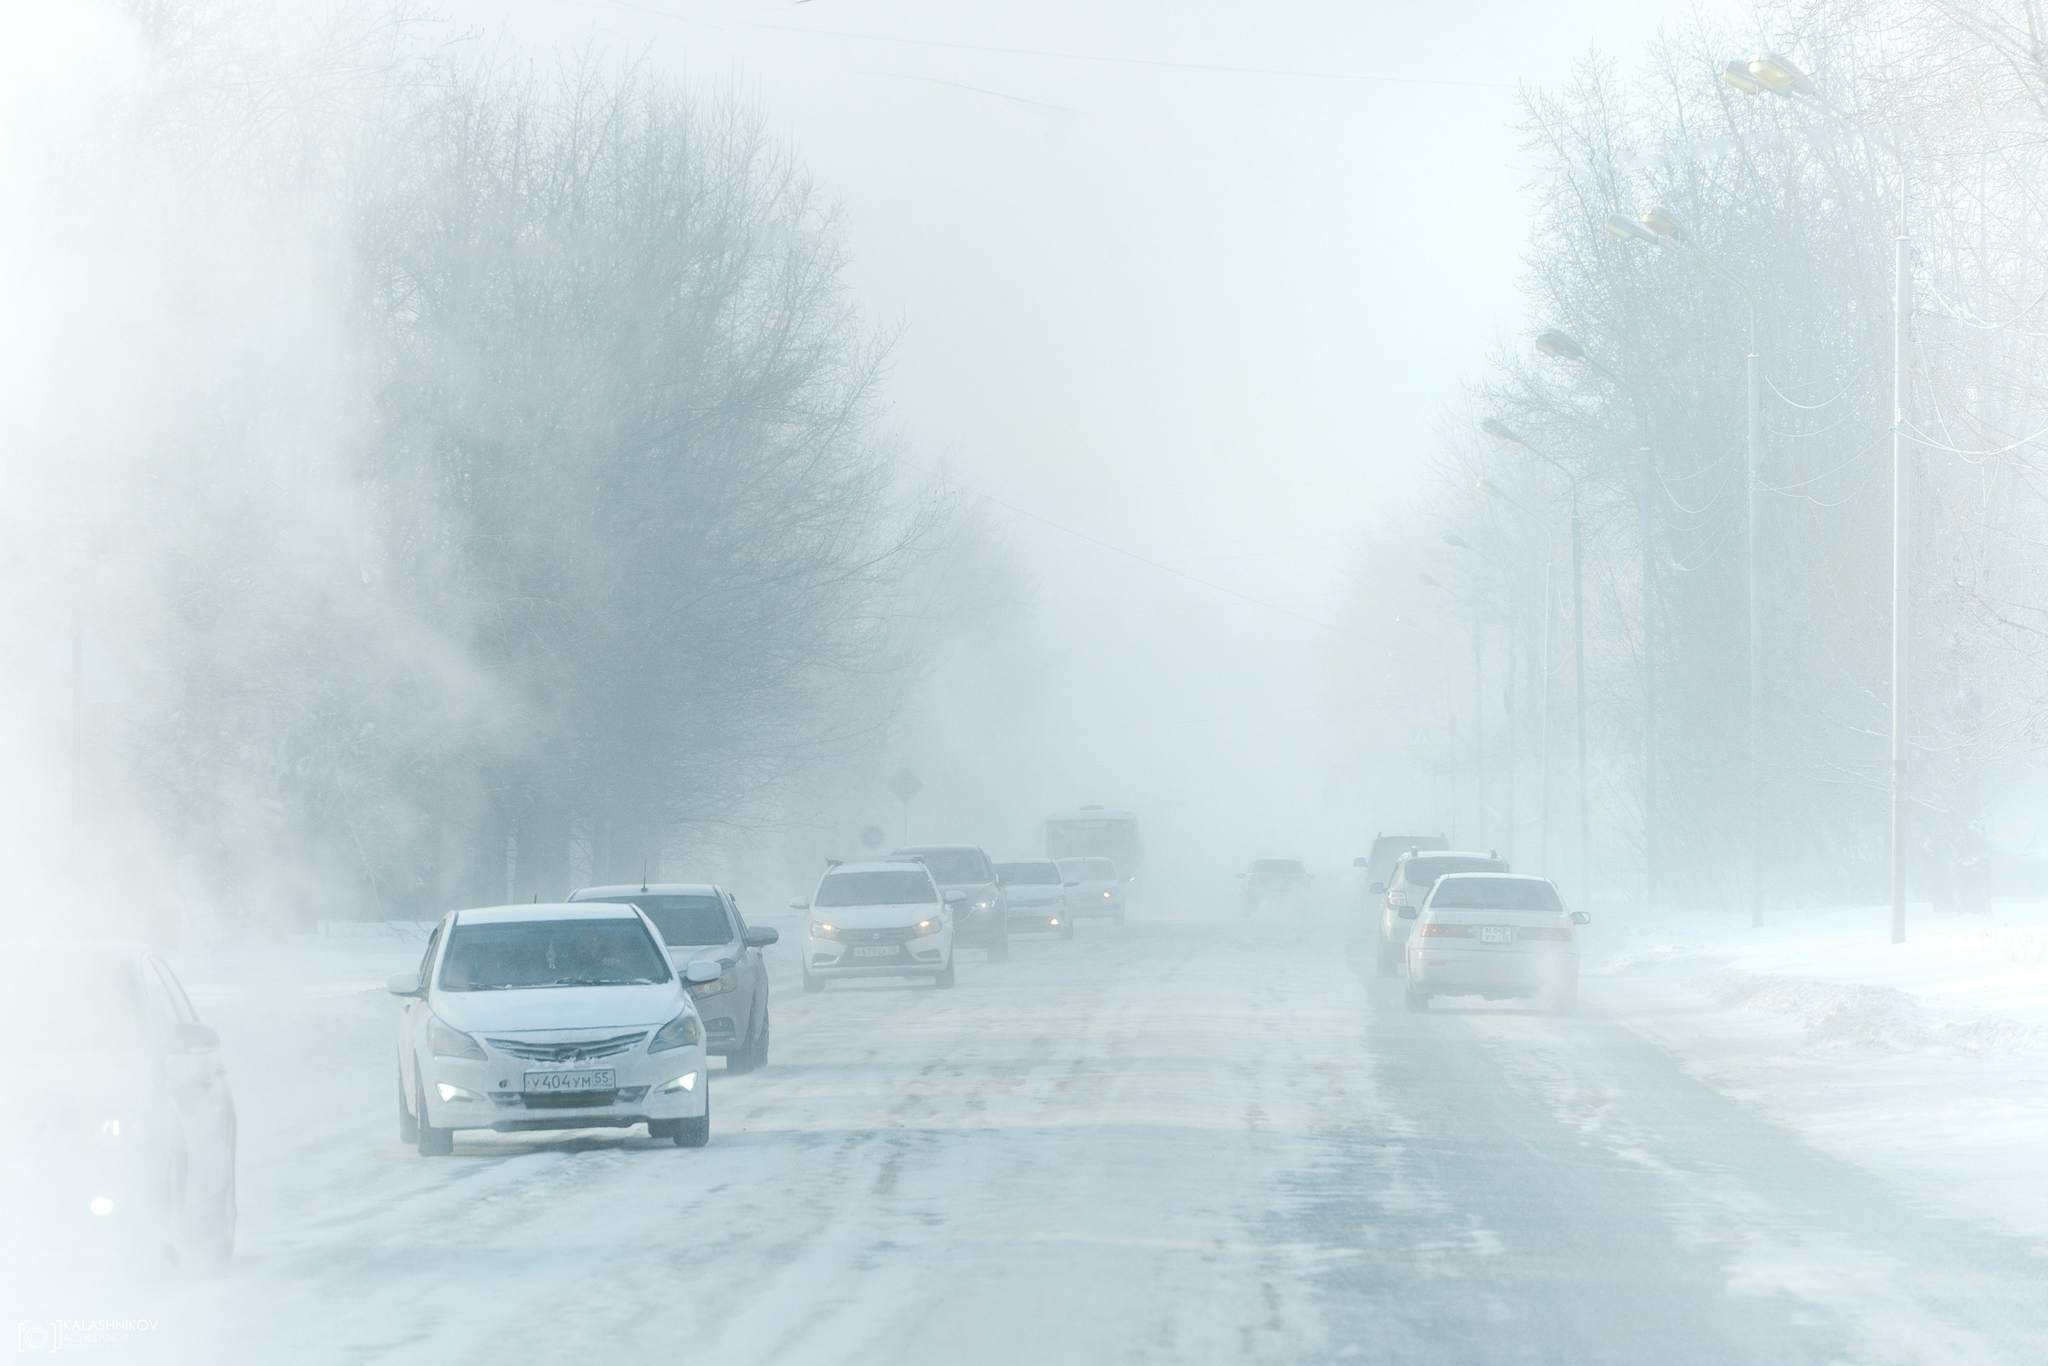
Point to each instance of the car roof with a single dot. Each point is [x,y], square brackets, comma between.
[1455,853]
[1092,813]
[936,848]
[1028,858]
[547,910]
[877,865]
[1498,877]
[648,888]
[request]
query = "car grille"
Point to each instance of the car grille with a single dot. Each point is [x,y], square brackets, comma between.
[577,1050]
[899,935]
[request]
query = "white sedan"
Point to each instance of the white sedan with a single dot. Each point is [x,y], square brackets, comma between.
[1497,935]
[550,1017]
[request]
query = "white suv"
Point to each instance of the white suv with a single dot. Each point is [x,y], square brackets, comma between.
[878,919]
[550,1017]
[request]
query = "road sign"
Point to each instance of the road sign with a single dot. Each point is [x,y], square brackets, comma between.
[905,785]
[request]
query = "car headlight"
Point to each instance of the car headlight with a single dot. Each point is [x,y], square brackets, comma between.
[448,1042]
[822,930]
[929,925]
[984,905]
[680,1032]
[725,981]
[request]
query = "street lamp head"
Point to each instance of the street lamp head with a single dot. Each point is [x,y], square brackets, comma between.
[1491,490]
[1665,223]
[1560,344]
[1628,230]
[1737,75]
[1500,431]
[1779,75]
[1427,581]
[1456,542]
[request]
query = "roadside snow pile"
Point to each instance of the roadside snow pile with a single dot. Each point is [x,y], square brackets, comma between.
[1925,1062]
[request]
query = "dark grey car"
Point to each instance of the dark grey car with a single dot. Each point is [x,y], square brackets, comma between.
[982,920]
[699,920]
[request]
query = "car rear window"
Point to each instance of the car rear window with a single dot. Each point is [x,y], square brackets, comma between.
[1495,894]
[907,888]
[1044,873]
[510,954]
[1276,865]
[1423,872]
[685,921]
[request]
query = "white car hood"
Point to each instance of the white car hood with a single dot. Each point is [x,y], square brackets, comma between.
[545,1008]
[874,917]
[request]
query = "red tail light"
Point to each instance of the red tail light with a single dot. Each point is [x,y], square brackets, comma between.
[1445,931]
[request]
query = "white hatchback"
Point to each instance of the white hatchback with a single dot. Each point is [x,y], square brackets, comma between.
[1497,935]
[550,1017]
[878,919]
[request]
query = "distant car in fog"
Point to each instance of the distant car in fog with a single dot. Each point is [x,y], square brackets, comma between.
[1094,886]
[982,919]
[702,921]
[121,1127]
[1095,832]
[1272,879]
[1386,852]
[1037,896]
[565,1016]
[1409,883]
[878,918]
[1502,936]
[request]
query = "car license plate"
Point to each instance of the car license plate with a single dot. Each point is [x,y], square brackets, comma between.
[1496,934]
[583,1079]
[889,951]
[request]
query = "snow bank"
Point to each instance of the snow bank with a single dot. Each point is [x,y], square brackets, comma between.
[1924,1062]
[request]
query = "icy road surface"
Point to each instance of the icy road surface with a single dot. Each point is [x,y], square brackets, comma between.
[1166,1143]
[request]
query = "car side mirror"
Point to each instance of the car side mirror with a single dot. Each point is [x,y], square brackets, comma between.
[1582,918]
[1361,863]
[956,898]
[189,1036]
[1132,878]
[760,937]
[404,984]
[797,903]
[1408,913]
[1070,884]
[1377,888]
[703,970]
[999,880]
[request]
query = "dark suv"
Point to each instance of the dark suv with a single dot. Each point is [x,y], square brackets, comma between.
[698,920]
[983,919]
[1408,886]
[1386,852]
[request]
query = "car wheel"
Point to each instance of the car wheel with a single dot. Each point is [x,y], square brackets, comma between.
[999,948]
[408,1126]
[1066,927]
[432,1142]
[1390,959]
[741,1059]
[760,1058]
[695,1133]
[1417,999]
[811,983]
[945,977]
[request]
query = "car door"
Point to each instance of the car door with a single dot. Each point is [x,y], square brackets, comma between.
[412,1028]
[207,1107]
[752,971]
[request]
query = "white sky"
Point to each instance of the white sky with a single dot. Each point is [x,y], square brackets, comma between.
[1206,315]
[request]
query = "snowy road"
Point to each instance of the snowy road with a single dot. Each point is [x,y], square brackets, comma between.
[1163,1143]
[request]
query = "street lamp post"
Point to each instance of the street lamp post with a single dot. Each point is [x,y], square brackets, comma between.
[1768,71]
[1661,227]
[1499,430]
[1566,347]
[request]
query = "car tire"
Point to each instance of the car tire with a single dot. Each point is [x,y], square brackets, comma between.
[945,975]
[1416,998]
[1066,927]
[999,947]
[741,1059]
[760,1059]
[812,983]
[1390,959]
[408,1126]
[695,1133]
[432,1142]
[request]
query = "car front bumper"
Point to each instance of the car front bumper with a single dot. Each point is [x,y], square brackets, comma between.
[645,1091]
[926,954]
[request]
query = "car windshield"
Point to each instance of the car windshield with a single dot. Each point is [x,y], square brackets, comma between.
[692,921]
[505,955]
[1495,894]
[1276,865]
[955,865]
[909,887]
[1423,872]
[1040,873]
[66,996]
[1088,869]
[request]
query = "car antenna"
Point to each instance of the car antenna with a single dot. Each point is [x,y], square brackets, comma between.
[643,875]
[536,898]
